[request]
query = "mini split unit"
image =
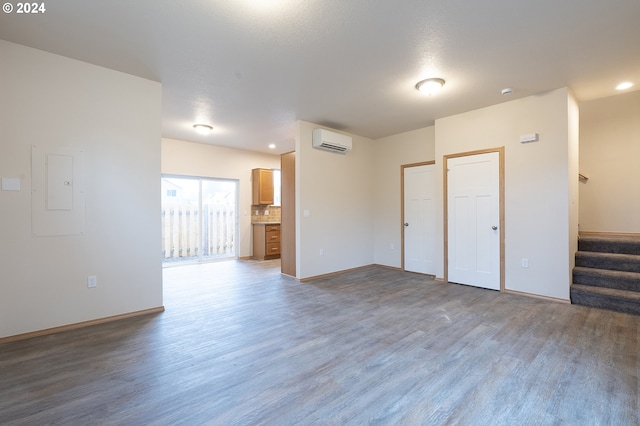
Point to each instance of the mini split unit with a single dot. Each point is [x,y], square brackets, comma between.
[331,141]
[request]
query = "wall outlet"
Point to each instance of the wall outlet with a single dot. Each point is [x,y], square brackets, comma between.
[92,281]
[525,263]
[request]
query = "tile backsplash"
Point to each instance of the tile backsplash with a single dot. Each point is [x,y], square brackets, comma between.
[273,216]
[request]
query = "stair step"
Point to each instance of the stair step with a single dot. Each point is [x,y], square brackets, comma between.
[607,273]
[613,261]
[610,292]
[606,298]
[610,244]
[620,280]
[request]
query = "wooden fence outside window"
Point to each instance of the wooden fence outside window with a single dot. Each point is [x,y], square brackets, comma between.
[181,230]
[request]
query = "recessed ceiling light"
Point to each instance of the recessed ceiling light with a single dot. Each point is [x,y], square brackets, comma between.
[272,146]
[430,86]
[624,86]
[203,129]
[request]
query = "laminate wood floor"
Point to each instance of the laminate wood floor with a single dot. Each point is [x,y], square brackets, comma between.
[240,344]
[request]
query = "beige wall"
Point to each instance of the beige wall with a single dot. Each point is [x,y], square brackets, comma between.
[390,154]
[573,164]
[56,102]
[538,191]
[610,158]
[196,159]
[338,192]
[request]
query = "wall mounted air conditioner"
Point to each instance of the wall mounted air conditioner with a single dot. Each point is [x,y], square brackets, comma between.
[331,141]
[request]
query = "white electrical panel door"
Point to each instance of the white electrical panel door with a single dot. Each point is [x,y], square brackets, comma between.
[59,179]
[57,193]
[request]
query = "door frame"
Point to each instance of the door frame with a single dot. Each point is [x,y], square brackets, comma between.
[402,167]
[500,151]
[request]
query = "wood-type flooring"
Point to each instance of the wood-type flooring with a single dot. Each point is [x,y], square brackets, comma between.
[240,344]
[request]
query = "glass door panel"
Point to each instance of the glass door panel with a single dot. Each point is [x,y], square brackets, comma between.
[199,219]
[219,218]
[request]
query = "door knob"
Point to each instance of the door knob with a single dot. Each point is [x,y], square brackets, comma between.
[406,224]
[494,227]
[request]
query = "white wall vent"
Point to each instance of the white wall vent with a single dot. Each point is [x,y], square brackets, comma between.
[331,141]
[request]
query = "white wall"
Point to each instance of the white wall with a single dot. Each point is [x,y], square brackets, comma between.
[339,194]
[573,164]
[538,192]
[610,158]
[54,102]
[390,154]
[196,159]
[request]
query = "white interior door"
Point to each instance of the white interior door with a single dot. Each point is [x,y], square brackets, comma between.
[419,219]
[473,216]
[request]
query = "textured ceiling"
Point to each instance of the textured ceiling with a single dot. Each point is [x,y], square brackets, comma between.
[251,68]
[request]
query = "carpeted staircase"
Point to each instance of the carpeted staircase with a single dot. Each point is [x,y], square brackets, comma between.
[607,273]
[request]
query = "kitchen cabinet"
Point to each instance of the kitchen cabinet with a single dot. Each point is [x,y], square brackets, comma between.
[262,186]
[266,241]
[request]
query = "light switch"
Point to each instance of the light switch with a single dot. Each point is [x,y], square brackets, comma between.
[11,184]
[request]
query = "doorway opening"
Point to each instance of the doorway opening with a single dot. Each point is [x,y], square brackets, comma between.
[199,219]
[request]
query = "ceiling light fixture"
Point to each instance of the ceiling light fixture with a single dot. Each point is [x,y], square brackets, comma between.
[430,86]
[203,129]
[624,86]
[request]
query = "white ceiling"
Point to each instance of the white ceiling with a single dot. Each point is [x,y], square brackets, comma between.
[251,68]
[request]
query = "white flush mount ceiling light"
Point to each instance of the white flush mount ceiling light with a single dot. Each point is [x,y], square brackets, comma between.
[430,86]
[624,86]
[203,129]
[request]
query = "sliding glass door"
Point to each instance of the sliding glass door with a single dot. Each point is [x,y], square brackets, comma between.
[199,219]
